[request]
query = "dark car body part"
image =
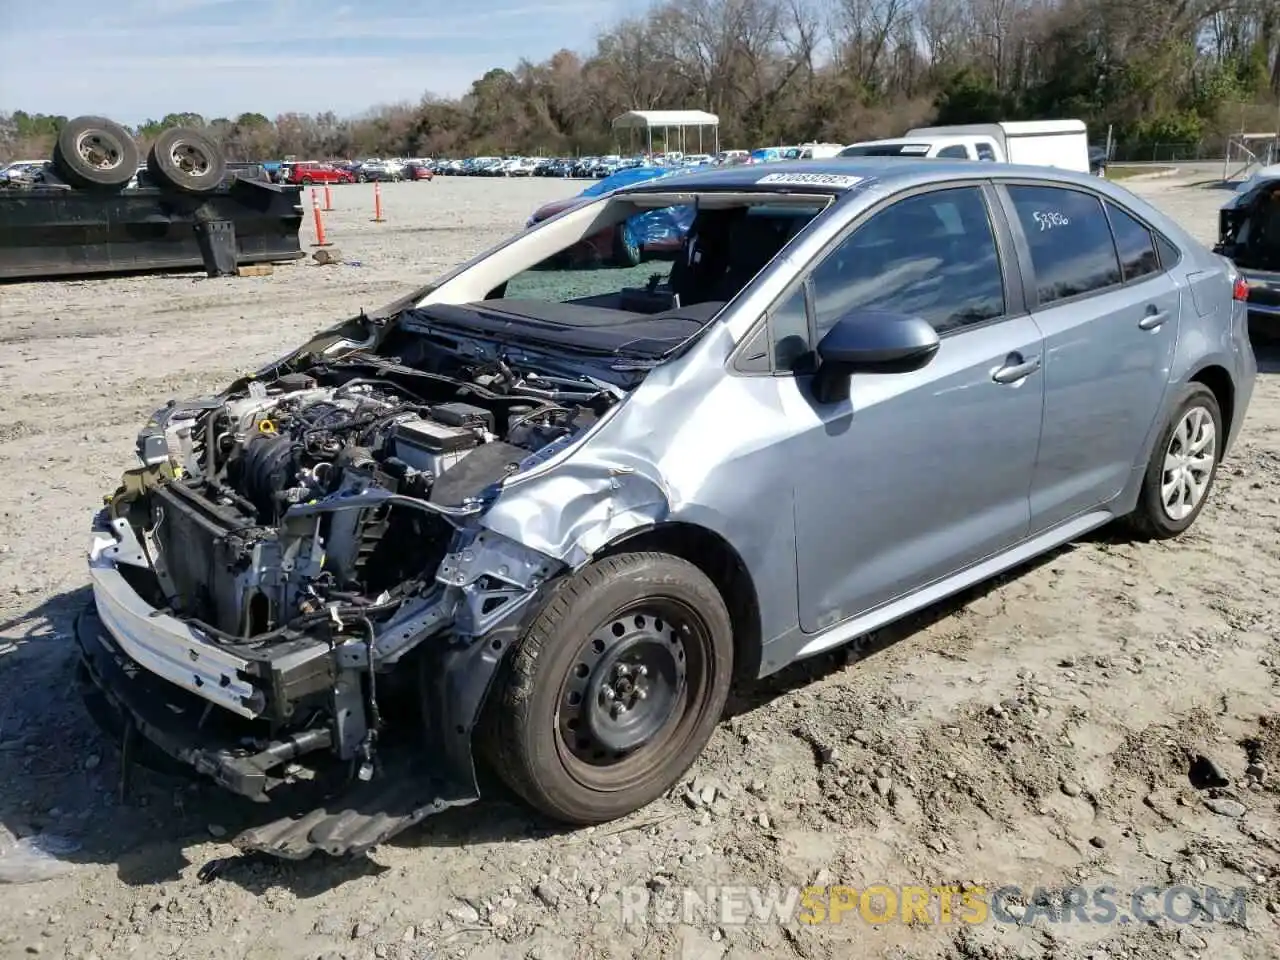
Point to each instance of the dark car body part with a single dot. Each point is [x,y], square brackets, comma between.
[1249,236]
[50,229]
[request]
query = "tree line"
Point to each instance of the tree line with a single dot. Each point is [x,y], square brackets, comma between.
[787,71]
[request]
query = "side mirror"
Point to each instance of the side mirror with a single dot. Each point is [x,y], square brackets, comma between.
[871,341]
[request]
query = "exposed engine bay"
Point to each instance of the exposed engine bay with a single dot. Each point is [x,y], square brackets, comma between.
[337,484]
[295,591]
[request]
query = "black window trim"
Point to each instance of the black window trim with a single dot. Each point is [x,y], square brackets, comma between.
[1030,289]
[1107,204]
[1011,273]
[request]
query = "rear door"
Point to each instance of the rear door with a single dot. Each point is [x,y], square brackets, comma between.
[1110,316]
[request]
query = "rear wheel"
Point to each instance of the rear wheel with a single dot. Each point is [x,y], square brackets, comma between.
[1182,468]
[186,160]
[95,152]
[615,688]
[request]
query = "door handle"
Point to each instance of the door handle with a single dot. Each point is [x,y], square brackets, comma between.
[1154,319]
[1019,370]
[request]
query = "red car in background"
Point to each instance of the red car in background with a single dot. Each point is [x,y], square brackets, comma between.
[417,171]
[305,174]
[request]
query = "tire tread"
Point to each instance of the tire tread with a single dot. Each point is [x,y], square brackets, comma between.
[501,739]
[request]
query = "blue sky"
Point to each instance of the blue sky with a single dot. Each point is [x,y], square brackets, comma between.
[137,59]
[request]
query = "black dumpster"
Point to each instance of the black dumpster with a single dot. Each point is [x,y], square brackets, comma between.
[50,229]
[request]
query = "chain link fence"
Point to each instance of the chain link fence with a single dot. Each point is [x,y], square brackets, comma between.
[1168,152]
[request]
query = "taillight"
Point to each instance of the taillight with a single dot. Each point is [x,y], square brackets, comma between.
[1240,289]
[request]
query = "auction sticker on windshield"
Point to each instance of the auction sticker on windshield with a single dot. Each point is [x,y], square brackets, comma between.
[841,180]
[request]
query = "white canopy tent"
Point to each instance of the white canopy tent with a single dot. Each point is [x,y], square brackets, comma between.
[667,121]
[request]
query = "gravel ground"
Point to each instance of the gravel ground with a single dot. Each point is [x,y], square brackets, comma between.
[1038,732]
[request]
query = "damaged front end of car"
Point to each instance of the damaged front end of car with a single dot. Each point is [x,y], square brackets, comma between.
[293,594]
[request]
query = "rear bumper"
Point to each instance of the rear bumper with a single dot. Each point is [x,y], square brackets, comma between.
[1264,295]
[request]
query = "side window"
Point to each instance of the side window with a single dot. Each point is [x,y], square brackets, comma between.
[1071,247]
[985,151]
[1169,254]
[1134,243]
[932,256]
[955,152]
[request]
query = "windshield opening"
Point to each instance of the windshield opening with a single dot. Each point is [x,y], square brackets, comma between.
[655,260]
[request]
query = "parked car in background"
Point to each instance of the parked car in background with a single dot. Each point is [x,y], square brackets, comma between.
[765,155]
[22,171]
[1249,235]
[374,169]
[561,511]
[520,167]
[305,174]
[813,151]
[248,170]
[730,158]
[645,236]
[418,170]
[605,166]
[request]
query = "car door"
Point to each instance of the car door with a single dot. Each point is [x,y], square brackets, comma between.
[1110,317]
[918,474]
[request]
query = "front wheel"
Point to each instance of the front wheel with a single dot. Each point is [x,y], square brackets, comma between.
[614,690]
[1182,468]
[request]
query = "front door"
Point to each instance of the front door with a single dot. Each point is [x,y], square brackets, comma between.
[918,474]
[1109,313]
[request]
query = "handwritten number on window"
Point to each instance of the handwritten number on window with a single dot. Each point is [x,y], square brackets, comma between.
[1048,219]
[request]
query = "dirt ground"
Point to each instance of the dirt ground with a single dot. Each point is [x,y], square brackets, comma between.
[1039,732]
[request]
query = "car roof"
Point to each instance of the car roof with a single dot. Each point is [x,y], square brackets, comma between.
[850,173]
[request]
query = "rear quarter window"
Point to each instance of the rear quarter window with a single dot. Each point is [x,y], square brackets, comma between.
[1135,244]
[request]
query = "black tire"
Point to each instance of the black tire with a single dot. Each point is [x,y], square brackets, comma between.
[187,160]
[306,181]
[1151,518]
[95,152]
[362,178]
[550,734]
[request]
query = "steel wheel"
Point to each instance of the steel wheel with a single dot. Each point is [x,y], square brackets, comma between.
[624,699]
[614,689]
[1188,463]
[95,152]
[98,151]
[189,158]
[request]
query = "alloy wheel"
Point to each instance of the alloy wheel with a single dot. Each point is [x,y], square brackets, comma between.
[1188,463]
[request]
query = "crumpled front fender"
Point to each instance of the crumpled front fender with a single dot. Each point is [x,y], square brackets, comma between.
[574,510]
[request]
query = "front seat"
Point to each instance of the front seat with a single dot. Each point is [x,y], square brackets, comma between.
[704,256]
